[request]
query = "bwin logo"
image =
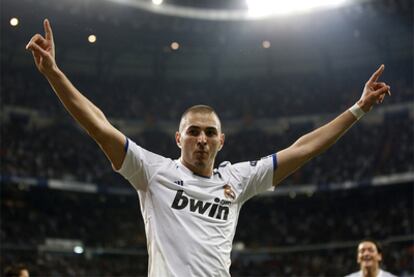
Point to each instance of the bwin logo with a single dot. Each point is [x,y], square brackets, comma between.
[214,210]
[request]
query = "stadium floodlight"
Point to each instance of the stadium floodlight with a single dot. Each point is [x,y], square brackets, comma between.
[257,9]
[175,45]
[92,38]
[264,8]
[14,21]
[266,44]
[78,249]
[157,2]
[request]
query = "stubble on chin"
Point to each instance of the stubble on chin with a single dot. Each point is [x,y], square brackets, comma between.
[200,164]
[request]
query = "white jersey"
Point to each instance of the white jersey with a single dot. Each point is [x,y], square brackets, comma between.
[381,273]
[190,220]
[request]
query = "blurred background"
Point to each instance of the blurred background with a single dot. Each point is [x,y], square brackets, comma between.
[272,73]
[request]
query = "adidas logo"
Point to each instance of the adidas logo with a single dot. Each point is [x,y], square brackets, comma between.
[179,182]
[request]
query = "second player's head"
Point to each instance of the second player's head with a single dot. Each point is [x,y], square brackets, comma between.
[369,255]
[200,138]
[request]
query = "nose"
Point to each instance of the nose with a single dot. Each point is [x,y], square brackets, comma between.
[202,138]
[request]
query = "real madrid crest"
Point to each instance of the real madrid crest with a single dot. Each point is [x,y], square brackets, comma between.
[228,192]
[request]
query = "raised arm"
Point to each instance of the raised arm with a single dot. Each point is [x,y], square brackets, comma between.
[319,140]
[90,117]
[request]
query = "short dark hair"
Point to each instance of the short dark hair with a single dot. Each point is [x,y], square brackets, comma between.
[14,270]
[376,243]
[198,109]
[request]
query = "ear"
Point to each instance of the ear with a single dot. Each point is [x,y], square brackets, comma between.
[178,139]
[222,139]
[380,257]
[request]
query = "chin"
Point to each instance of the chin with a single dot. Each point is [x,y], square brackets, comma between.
[200,164]
[368,264]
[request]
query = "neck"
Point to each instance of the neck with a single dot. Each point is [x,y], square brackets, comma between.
[202,170]
[370,271]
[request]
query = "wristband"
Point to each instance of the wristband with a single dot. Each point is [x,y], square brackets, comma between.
[357,111]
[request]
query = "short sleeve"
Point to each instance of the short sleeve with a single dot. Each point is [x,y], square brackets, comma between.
[139,165]
[255,176]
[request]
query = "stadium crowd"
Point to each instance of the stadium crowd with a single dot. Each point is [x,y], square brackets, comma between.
[34,214]
[62,151]
[150,99]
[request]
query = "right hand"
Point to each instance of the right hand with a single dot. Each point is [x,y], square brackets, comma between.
[374,91]
[43,50]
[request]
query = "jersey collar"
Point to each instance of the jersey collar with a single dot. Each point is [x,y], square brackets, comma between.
[187,170]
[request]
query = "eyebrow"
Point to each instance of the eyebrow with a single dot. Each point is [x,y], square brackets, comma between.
[198,127]
[367,247]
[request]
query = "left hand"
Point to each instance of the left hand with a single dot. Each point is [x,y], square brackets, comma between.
[374,91]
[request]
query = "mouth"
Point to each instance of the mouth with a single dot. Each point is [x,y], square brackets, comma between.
[201,153]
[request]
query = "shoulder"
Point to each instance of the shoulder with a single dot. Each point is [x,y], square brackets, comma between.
[133,149]
[226,168]
[224,164]
[267,160]
[138,159]
[247,169]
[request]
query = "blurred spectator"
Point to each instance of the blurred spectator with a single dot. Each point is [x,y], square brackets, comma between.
[16,271]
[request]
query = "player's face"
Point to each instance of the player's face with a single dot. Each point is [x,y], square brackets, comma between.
[200,139]
[368,255]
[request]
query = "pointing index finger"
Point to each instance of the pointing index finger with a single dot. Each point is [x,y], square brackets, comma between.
[376,74]
[48,30]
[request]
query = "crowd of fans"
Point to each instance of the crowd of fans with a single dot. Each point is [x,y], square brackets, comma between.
[33,214]
[233,99]
[62,151]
